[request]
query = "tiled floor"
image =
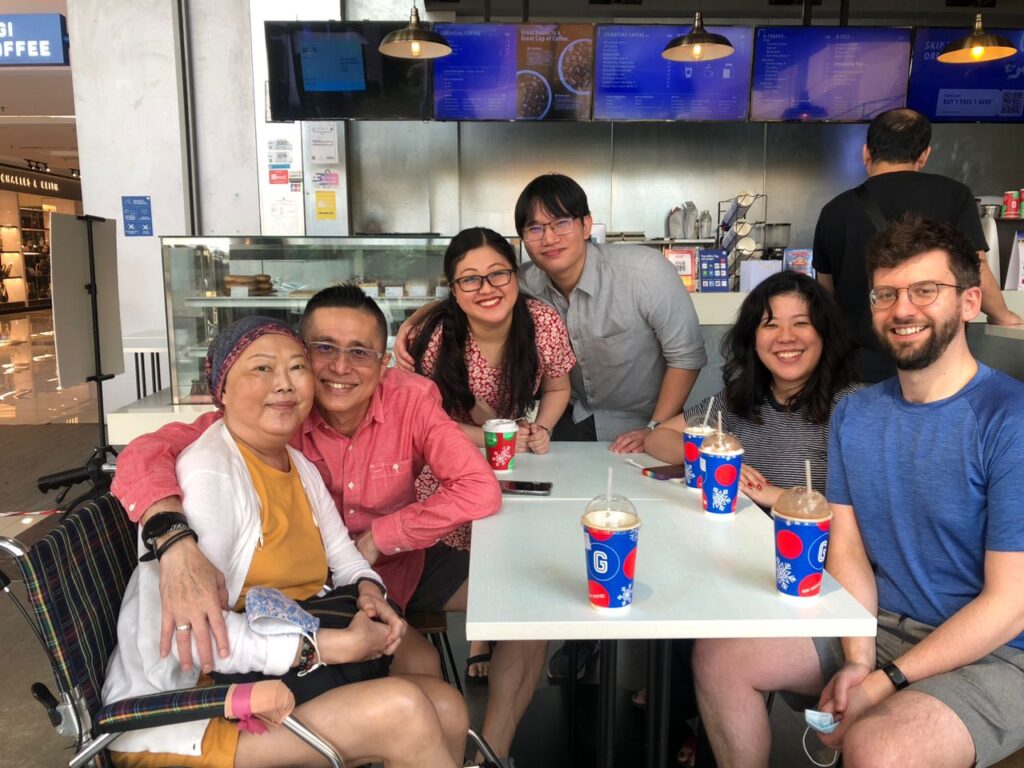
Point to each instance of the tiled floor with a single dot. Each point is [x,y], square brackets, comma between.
[29,390]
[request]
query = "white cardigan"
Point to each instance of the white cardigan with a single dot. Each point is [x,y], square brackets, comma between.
[224,510]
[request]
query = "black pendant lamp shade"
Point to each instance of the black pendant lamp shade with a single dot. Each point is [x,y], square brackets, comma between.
[698,45]
[976,47]
[414,41]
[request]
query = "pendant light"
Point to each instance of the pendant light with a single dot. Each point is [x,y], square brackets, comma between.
[414,41]
[976,47]
[698,45]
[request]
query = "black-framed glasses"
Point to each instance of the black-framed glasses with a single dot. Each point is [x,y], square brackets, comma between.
[921,294]
[535,232]
[360,357]
[473,283]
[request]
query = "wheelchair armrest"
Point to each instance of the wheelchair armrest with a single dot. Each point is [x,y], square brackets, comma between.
[181,706]
[185,705]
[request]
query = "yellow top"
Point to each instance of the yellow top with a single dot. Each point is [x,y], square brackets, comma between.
[292,558]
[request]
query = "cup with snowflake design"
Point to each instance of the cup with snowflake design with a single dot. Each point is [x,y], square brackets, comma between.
[500,443]
[611,530]
[802,522]
[721,458]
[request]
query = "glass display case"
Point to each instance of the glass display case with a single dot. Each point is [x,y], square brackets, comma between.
[213,281]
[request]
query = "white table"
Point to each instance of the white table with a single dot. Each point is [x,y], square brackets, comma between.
[580,471]
[696,576]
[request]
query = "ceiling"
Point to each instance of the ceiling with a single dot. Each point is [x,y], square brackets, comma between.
[37,104]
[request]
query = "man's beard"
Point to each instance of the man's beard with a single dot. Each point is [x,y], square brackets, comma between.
[911,359]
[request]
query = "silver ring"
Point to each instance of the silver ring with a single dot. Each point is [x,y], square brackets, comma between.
[183,628]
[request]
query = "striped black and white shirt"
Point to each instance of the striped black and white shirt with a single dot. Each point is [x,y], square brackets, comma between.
[778,447]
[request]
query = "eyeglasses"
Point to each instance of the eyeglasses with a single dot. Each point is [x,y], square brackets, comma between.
[535,232]
[360,357]
[473,283]
[920,294]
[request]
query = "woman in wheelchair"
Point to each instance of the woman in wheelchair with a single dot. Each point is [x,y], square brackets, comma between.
[263,516]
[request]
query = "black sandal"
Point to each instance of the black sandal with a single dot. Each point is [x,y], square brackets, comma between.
[479,658]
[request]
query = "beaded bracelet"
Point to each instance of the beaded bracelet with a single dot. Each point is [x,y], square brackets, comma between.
[309,657]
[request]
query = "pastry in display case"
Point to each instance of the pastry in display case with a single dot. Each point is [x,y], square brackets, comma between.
[213,281]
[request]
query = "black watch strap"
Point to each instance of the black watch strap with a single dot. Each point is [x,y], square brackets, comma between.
[896,676]
[159,525]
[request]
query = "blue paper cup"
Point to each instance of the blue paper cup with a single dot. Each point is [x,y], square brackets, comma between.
[610,539]
[800,549]
[720,481]
[693,436]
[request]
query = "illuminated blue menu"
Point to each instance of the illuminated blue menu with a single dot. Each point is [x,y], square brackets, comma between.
[478,80]
[991,91]
[845,74]
[633,82]
[515,72]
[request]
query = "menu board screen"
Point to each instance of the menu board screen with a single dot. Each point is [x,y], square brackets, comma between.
[990,91]
[633,82]
[515,72]
[845,74]
[332,70]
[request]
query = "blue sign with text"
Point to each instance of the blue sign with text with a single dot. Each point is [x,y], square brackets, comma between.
[33,39]
[138,216]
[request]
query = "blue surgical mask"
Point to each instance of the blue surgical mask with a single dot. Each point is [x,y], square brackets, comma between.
[822,722]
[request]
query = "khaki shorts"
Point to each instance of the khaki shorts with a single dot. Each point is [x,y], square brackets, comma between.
[988,695]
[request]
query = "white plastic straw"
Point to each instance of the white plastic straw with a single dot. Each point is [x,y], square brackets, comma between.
[807,470]
[707,413]
[719,422]
[608,498]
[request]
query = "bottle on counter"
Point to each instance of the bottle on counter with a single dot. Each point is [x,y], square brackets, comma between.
[706,228]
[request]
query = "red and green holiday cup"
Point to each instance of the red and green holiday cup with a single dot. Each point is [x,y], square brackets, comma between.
[500,443]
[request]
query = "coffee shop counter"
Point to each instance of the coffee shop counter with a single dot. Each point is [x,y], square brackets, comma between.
[713,309]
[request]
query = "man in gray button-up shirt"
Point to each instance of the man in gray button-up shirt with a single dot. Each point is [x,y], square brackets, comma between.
[633,328]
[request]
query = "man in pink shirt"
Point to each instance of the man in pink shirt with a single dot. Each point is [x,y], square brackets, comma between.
[371,433]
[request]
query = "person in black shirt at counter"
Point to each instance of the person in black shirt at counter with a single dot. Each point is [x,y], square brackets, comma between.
[897,149]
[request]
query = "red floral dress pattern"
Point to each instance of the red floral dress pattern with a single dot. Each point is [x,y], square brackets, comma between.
[556,359]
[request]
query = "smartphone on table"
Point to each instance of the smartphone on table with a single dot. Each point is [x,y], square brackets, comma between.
[525,488]
[666,472]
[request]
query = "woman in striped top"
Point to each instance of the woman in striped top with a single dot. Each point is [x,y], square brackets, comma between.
[788,361]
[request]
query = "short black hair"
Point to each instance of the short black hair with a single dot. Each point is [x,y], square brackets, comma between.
[555,193]
[345,296]
[898,136]
[913,235]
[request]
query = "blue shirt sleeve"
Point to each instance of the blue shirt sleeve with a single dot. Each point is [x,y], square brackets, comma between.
[1003,459]
[837,490]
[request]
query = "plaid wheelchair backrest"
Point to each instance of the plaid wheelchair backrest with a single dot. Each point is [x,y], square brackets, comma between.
[75,578]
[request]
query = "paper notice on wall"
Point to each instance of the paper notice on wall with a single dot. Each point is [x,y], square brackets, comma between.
[285,217]
[323,143]
[1015,270]
[326,205]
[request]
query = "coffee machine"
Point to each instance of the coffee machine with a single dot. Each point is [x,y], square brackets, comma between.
[776,240]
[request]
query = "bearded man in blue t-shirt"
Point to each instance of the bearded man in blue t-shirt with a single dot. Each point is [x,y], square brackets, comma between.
[926,481]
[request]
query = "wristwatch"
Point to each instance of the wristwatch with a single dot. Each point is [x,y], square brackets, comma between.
[653,424]
[896,676]
[159,525]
